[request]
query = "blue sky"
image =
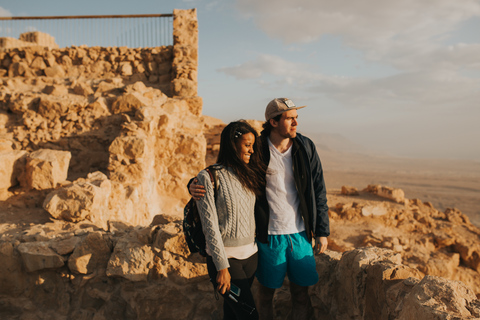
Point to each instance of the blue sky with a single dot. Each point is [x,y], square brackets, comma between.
[397,77]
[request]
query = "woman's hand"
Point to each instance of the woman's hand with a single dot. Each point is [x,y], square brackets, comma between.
[196,190]
[223,281]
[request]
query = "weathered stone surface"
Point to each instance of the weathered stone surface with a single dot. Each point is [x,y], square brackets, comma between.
[374,210]
[13,164]
[83,199]
[348,190]
[437,298]
[130,260]
[83,89]
[39,38]
[55,71]
[56,90]
[126,103]
[12,278]
[65,246]
[91,255]
[38,63]
[396,195]
[38,255]
[46,168]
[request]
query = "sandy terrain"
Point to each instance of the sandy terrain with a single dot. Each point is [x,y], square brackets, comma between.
[444,183]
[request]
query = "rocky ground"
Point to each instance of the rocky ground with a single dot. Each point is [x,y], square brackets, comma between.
[427,242]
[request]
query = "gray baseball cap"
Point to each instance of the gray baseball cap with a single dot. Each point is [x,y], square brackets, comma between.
[278,106]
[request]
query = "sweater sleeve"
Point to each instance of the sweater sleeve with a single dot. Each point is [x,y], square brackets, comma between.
[209,217]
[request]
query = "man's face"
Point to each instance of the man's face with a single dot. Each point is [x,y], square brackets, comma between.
[287,126]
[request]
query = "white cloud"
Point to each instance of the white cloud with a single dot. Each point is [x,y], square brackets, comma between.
[435,89]
[404,33]
[276,66]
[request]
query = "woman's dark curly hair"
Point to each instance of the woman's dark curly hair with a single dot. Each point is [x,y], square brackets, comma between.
[251,175]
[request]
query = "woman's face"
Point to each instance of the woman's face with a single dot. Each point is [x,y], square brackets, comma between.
[244,146]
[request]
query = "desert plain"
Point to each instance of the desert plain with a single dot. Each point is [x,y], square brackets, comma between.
[443,182]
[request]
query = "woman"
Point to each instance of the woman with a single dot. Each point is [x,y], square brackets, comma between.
[228,220]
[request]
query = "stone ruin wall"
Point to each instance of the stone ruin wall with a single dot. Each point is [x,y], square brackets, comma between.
[117,128]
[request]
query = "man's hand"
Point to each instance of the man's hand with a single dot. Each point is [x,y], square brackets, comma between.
[223,281]
[196,190]
[321,244]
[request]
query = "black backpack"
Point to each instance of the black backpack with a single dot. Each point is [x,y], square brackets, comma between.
[192,225]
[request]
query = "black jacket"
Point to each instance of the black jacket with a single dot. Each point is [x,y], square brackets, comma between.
[308,174]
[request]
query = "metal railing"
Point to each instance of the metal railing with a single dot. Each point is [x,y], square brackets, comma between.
[134,31]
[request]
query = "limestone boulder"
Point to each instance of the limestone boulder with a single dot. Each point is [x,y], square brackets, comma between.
[90,255]
[38,256]
[350,191]
[55,71]
[397,195]
[56,90]
[83,199]
[126,103]
[52,107]
[469,252]
[351,276]
[438,298]
[170,238]
[46,168]
[131,260]
[38,63]
[375,210]
[12,276]
[83,89]
[18,69]
[65,246]
[13,164]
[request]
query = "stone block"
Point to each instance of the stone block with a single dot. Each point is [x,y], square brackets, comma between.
[130,260]
[13,164]
[55,71]
[38,255]
[90,255]
[46,168]
[39,38]
[84,199]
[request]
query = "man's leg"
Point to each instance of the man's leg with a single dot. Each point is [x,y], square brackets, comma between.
[301,304]
[302,273]
[265,302]
[272,267]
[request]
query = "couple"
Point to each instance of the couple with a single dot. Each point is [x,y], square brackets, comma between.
[270,188]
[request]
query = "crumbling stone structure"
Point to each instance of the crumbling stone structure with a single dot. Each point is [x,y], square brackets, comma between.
[129,120]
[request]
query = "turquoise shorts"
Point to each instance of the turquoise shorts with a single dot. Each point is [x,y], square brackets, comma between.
[290,254]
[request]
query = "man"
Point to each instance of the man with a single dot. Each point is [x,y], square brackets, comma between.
[292,211]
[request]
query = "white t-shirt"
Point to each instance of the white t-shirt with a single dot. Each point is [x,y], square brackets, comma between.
[282,196]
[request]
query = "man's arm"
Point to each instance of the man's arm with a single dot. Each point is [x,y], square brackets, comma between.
[322,227]
[196,190]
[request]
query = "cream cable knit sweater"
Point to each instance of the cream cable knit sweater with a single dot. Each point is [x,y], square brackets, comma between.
[229,222]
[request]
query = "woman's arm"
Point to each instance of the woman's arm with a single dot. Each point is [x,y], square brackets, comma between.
[210,224]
